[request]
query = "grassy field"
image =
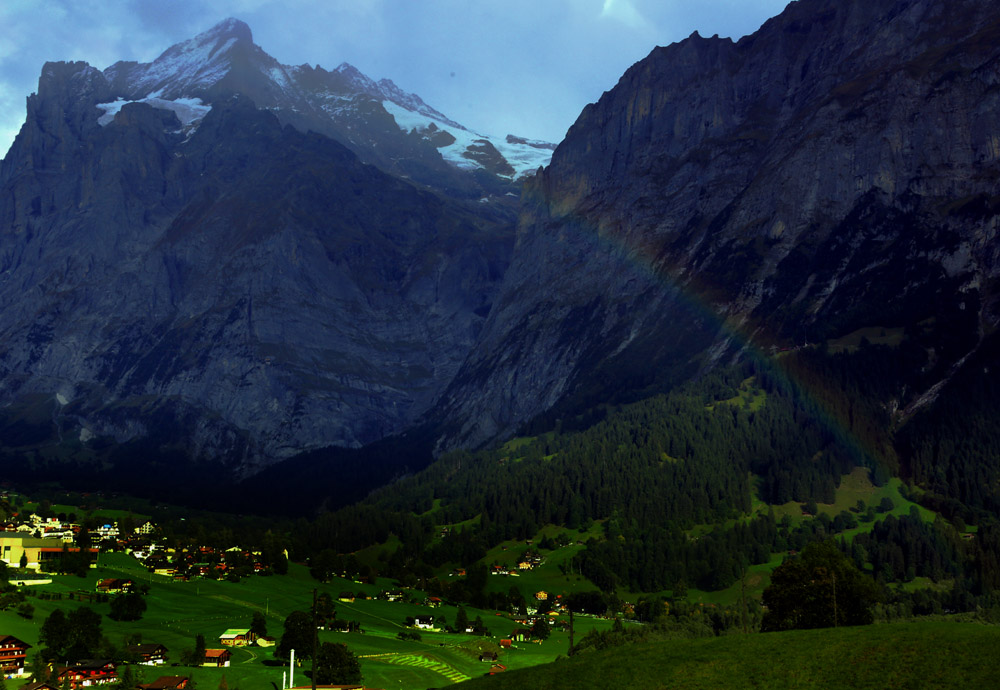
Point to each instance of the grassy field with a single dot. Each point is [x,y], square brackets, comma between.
[907,655]
[178,611]
[748,397]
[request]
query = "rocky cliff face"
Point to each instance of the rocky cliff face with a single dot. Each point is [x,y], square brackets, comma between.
[232,287]
[836,169]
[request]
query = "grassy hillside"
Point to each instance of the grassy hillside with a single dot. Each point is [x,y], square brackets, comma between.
[913,655]
[178,611]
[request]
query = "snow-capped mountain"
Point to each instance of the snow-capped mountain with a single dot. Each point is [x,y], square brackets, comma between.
[379,121]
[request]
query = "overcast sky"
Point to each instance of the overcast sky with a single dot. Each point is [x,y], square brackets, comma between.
[497,66]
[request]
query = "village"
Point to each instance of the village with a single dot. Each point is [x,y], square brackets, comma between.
[48,558]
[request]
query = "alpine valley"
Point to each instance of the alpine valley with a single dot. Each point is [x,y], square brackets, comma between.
[746,310]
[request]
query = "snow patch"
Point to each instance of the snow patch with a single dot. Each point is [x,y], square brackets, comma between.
[189,111]
[524,158]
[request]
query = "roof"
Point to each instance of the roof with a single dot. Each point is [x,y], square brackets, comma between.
[213,653]
[147,648]
[166,683]
[234,632]
[92,664]
[11,640]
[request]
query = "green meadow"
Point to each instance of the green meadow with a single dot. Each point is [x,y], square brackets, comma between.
[178,611]
[922,655]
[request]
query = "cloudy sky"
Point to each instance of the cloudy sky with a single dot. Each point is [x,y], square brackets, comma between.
[496,66]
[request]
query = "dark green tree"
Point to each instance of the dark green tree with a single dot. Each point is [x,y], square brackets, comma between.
[258,624]
[128,679]
[127,607]
[821,588]
[194,657]
[540,630]
[54,635]
[298,635]
[84,633]
[39,669]
[461,619]
[337,665]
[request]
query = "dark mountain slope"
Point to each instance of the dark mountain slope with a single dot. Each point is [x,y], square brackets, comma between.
[254,290]
[836,169]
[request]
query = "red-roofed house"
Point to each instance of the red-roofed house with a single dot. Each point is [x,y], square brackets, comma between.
[217,657]
[148,653]
[13,652]
[115,585]
[87,673]
[167,683]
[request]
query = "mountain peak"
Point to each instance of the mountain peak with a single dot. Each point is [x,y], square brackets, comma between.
[229,28]
[193,65]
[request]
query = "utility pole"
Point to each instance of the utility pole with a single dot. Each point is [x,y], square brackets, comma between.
[315,641]
[743,599]
[570,633]
[835,599]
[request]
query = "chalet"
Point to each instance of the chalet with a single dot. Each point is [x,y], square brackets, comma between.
[395,595]
[521,634]
[167,683]
[87,673]
[114,585]
[148,653]
[266,641]
[488,656]
[424,622]
[217,657]
[433,602]
[40,685]
[346,596]
[13,652]
[541,596]
[506,643]
[237,637]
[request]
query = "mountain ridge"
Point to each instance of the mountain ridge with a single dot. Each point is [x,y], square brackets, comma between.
[342,103]
[752,192]
[833,172]
[157,277]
